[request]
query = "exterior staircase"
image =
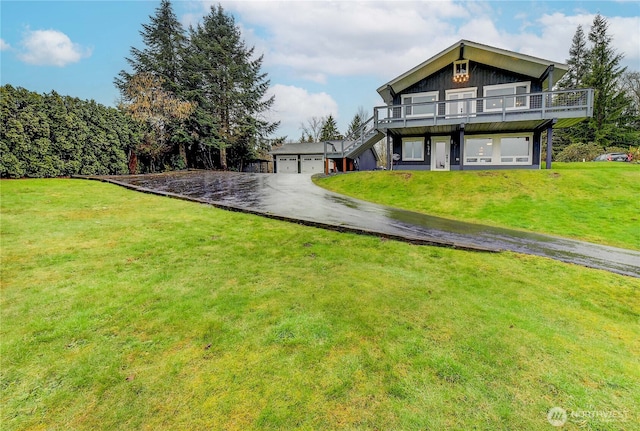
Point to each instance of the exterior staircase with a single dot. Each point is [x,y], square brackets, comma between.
[357,143]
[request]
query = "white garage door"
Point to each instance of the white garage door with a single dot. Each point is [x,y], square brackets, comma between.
[287,164]
[312,164]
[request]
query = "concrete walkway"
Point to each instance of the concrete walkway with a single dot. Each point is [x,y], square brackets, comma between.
[295,198]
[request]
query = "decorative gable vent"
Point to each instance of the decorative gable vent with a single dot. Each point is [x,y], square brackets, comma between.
[461,71]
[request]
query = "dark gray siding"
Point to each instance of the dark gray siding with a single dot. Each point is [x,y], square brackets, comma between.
[367,161]
[479,76]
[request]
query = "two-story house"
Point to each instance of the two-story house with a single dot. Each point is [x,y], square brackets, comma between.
[471,106]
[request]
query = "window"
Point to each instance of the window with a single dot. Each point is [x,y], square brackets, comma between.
[413,149]
[420,104]
[478,150]
[506,96]
[461,71]
[515,150]
[498,149]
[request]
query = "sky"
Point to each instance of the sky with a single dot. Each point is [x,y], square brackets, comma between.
[321,57]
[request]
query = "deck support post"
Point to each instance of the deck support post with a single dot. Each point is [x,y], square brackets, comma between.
[344,164]
[461,137]
[389,151]
[550,142]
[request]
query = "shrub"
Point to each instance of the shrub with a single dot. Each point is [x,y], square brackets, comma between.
[579,152]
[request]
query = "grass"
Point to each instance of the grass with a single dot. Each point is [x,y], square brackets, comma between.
[128,311]
[595,202]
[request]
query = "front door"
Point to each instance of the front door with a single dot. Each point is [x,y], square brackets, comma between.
[440,150]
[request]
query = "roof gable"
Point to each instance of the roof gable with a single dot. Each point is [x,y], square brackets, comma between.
[496,57]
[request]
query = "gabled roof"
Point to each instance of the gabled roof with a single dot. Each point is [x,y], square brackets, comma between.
[496,57]
[300,148]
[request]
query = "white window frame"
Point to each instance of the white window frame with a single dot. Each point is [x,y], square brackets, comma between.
[512,85]
[423,94]
[404,153]
[476,160]
[496,150]
[448,93]
[528,158]
[460,68]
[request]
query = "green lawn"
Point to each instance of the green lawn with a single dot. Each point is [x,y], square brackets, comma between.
[596,202]
[127,311]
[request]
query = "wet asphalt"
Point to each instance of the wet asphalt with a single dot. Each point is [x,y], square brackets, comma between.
[295,198]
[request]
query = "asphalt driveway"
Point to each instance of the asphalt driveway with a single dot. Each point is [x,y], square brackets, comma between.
[295,198]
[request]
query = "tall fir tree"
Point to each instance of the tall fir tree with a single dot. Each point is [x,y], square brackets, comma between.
[164,42]
[224,78]
[329,130]
[356,123]
[578,62]
[609,125]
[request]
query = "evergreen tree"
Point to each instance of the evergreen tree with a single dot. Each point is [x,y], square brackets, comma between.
[609,124]
[578,62]
[356,123]
[329,130]
[224,79]
[164,39]
[164,44]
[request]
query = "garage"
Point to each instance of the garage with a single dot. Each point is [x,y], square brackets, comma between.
[312,164]
[287,164]
[301,157]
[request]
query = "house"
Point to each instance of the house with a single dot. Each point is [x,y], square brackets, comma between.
[309,158]
[471,106]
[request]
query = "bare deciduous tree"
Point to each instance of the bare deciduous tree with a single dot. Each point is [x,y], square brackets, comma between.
[313,127]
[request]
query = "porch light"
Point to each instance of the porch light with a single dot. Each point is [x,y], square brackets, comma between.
[460,71]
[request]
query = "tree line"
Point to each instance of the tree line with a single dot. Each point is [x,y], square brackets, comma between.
[615,125]
[320,129]
[193,98]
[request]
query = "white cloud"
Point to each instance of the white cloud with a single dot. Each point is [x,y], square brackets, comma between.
[294,105]
[4,45]
[50,48]
[317,40]
[345,38]
[626,34]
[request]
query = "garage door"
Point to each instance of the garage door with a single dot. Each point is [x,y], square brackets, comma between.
[287,164]
[312,164]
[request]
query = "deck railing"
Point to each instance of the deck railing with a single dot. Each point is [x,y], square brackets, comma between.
[512,107]
[564,103]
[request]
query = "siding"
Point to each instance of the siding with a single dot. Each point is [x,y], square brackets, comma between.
[479,76]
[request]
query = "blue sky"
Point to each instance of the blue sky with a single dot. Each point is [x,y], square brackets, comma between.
[322,57]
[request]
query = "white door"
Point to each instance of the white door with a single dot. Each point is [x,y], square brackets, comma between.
[460,105]
[287,164]
[312,164]
[440,151]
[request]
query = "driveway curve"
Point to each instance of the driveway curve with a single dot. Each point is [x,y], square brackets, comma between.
[296,198]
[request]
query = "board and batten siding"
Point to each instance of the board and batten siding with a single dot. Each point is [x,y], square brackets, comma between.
[480,75]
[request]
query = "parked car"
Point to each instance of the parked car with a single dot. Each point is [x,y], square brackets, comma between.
[612,157]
